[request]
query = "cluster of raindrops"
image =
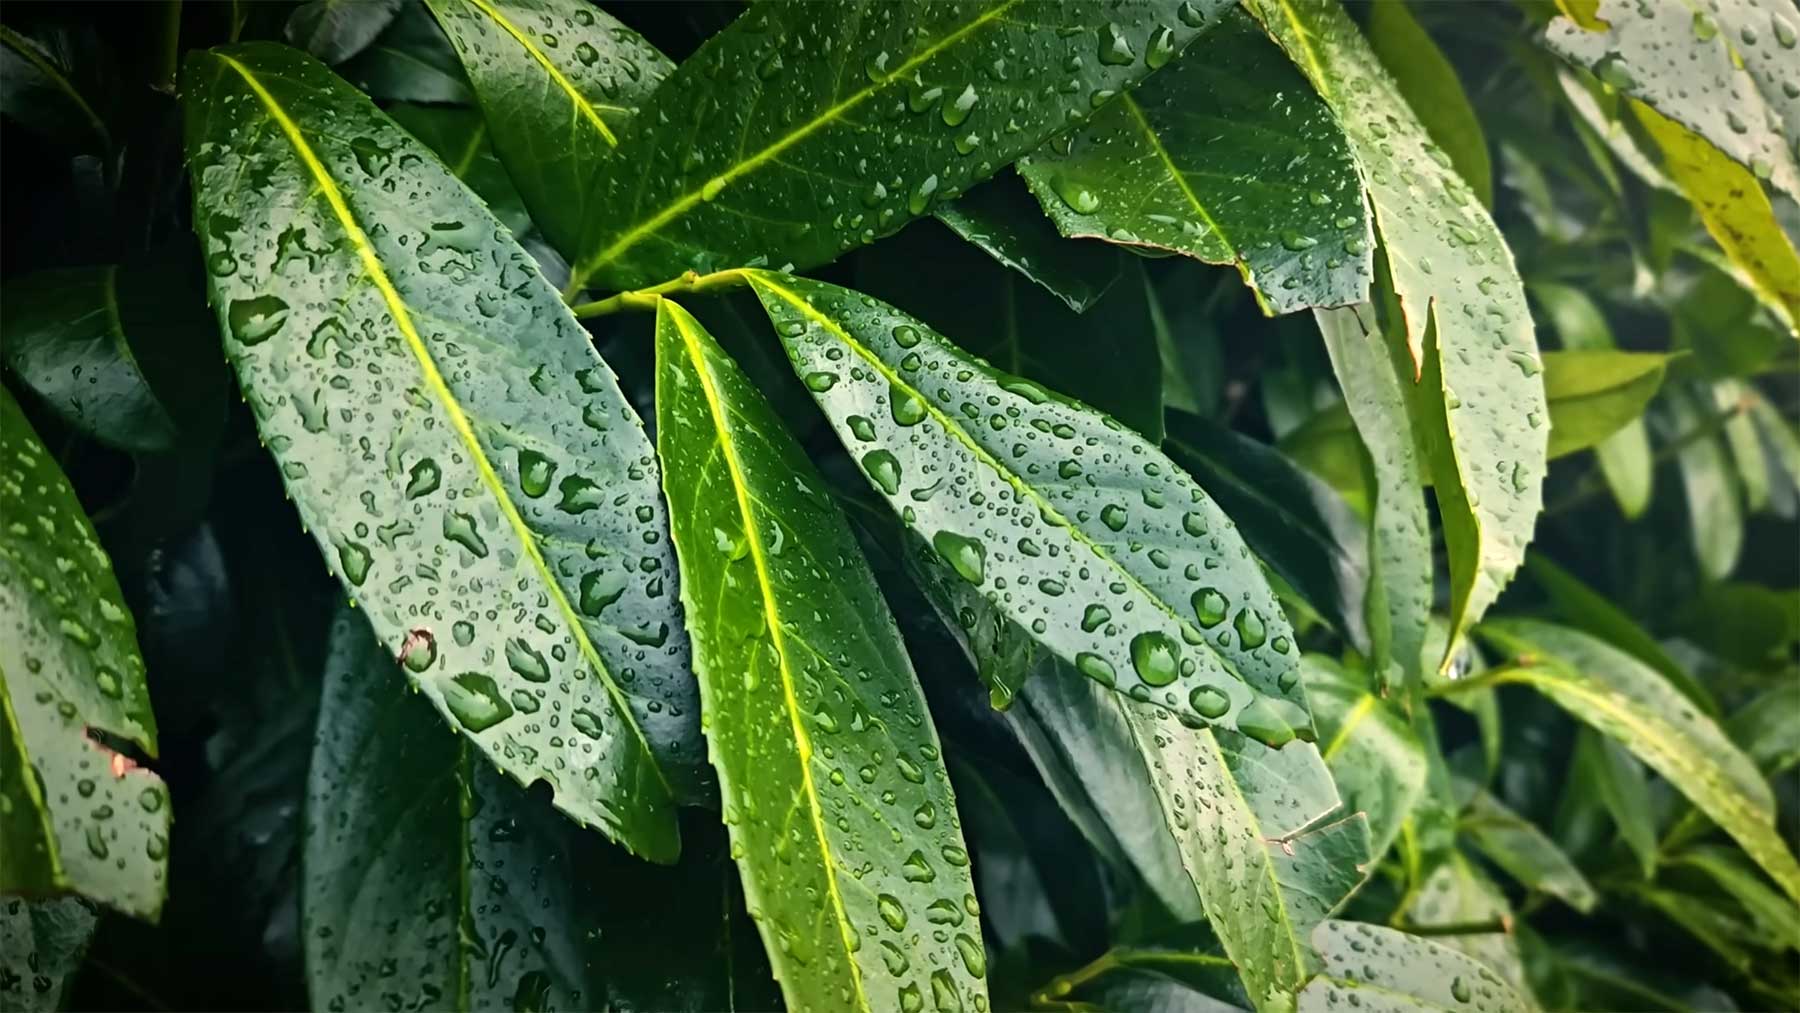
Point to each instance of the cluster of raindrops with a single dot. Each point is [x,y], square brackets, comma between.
[1389,963]
[467,463]
[1152,171]
[835,794]
[776,150]
[1081,533]
[70,667]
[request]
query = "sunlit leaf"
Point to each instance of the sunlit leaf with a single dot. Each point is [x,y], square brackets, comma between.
[1625,455]
[1377,968]
[1430,86]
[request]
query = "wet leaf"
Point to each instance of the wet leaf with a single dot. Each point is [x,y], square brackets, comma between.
[451,439]
[1625,455]
[840,811]
[1081,532]
[459,136]
[1458,896]
[75,815]
[1433,91]
[1726,70]
[1229,157]
[789,159]
[1375,967]
[42,943]
[1619,696]
[1374,754]
[1000,217]
[1604,776]
[557,81]
[1480,396]
[411,61]
[1527,854]
[431,881]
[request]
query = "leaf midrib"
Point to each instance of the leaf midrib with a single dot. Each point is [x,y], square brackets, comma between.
[677,207]
[772,619]
[1006,474]
[561,80]
[435,382]
[26,49]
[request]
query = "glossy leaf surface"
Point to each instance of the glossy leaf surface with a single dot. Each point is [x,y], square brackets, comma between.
[1433,92]
[42,943]
[459,135]
[1381,969]
[420,856]
[1000,217]
[557,80]
[1616,694]
[1724,69]
[1079,531]
[840,810]
[1375,756]
[1229,157]
[1480,393]
[75,816]
[786,159]
[336,30]
[450,437]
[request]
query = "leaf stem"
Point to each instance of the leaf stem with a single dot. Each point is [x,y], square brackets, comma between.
[1055,992]
[1480,680]
[646,298]
[1502,925]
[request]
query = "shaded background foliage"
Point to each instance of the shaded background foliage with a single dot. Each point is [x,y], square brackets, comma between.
[1674,539]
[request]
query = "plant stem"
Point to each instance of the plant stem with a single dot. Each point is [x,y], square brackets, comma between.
[171,54]
[1481,680]
[1054,992]
[645,298]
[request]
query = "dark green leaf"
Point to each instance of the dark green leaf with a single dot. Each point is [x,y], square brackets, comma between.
[1715,507]
[459,135]
[117,353]
[1480,398]
[1378,968]
[557,80]
[411,61]
[1105,357]
[336,30]
[1296,524]
[75,816]
[1768,728]
[42,943]
[1229,157]
[1000,217]
[1625,455]
[39,86]
[1373,752]
[1526,853]
[1174,978]
[1748,624]
[451,439]
[1619,696]
[1725,72]
[841,814]
[1737,877]
[1398,601]
[421,857]
[1732,399]
[1603,775]
[1189,344]
[1078,530]
[1431,88]
[785,156]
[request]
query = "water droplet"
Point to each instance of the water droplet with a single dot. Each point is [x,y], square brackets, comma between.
[254,321]
[1155,657]
[1250,628]
[1115,48]
[474,700]
[586,722]
[526,661]
[535,471]
[355,560]
[1079,198]
[884,470]
[957,110]
[1096,668]
[966,556]
[1210,607]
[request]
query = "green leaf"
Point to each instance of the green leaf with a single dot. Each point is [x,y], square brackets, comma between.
[1619,696]
[1000,217]
[1604,772]
[1464,911]
[450,438]
[1748,624]
[336,30]
[1768,728]
[557,80]
[39,87]
[459,136]
[1738,878]
[1595,393]
[1257,838]
[840,811]
[1480,395]
[116,353]
[1715,508]
[1078,530]
[1105,357]
[411,61]
[420,856]
[1732,399]
[1735,211]
[1399,596]
[788,156]
[1625,455]
[75,816]
[1228,157]
[1526,853]
[42,943]
[1723,72]
[1297,525]
[1373,752]
[1164,975]
[1189,344]
[1431,88]
[1378,968]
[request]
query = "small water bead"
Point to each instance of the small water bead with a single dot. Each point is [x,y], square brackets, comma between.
[1209,702]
